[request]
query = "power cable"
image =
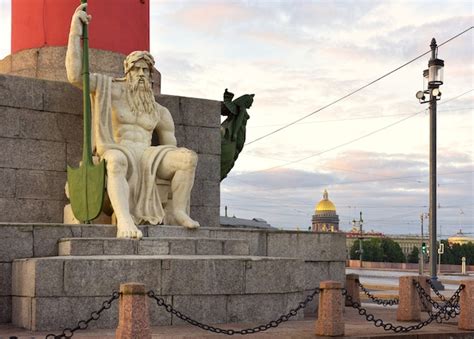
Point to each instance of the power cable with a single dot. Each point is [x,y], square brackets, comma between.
[363,117]
[356,90]
[356,139]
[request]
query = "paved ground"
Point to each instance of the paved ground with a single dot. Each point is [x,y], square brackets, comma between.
[356,327]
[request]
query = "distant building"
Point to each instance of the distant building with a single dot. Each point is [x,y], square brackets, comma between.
[408,242]
[460,238]
[245,223]
[325,218]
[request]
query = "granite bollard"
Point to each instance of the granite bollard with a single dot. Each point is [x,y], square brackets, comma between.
[409,304]
[330,321]
[352,288]
[134,321]
[466,304]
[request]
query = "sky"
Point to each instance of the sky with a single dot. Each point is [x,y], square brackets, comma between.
[369,150]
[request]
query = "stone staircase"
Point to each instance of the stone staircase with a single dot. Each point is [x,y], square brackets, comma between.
[213,275]
[152,246]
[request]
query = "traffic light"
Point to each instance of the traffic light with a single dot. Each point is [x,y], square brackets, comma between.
[423,248]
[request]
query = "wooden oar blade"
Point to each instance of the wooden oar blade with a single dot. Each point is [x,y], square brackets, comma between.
[86,190]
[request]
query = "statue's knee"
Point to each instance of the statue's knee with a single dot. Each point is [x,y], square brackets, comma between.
[116,162]
[189,158]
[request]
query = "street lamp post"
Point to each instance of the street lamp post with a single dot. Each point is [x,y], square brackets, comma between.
[361,249]
[433,78]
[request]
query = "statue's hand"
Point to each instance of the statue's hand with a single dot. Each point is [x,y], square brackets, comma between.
[79,18]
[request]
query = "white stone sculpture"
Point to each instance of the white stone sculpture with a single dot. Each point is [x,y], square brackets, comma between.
[125,114]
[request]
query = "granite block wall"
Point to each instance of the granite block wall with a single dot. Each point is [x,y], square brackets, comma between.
[320,253]
[41,133]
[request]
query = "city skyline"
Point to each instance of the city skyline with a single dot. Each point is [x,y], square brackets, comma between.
[370,150]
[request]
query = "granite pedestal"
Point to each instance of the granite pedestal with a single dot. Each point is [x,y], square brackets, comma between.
[59,274]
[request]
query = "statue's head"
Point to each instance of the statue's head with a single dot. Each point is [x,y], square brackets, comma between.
[138,67]
[136,56]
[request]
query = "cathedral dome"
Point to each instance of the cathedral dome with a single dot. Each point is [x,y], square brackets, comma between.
[325,205]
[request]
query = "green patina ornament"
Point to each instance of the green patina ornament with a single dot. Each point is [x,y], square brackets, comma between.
[86,184]
[233,129]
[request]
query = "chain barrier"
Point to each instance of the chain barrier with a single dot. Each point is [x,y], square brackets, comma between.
[425,296]
[440,296]
[84,324]
[442,314]
[450,309]
[451,305]
[425,302]
[274,323]
[384,302]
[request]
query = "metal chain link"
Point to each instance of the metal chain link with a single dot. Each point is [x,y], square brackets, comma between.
[450,309]
[442,314]
[274,323]
[84,324]
[435,290]
[452,302]
[384,302]
[425,295]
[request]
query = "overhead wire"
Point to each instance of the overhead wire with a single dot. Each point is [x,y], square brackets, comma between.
[356,90]
[363,117]
[356,139]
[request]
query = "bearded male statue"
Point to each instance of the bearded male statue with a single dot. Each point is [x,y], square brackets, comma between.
[125,114]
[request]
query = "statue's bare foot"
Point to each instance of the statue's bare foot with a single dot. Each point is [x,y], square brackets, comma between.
[182,219]
[128,230]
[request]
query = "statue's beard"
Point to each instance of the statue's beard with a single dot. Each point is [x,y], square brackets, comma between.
[140,96]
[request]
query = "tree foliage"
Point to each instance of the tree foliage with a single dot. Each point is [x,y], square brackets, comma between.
[413,257]
[387,250]
[378,250]
[392,252]
[453,253]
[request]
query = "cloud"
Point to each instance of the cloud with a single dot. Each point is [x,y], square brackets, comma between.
[5,28]
[210,16]
[390,189]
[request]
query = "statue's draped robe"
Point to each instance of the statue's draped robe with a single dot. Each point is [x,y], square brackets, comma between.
[144,199]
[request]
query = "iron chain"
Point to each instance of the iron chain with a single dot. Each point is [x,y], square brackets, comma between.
[274,323]
[435,290]
[376,300]
[444,313]
[450,306]
[84,324]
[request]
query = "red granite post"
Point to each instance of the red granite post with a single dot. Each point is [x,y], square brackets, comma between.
[352,288]
[426,307]
[409,304]
[133,313]
[330,321]
[466,303]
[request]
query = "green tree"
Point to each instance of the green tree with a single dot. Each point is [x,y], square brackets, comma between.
[453,253]
[413,257]
[392,252]
[372,250]
[378,250]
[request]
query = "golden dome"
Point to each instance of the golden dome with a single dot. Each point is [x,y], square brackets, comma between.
[460,238]
[325,204]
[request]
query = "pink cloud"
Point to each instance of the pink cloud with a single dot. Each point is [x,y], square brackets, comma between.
[210,16]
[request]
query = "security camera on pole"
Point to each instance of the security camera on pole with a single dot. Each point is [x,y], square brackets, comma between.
[432,79]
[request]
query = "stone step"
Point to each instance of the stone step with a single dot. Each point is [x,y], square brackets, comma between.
[152,246]
[51,293]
